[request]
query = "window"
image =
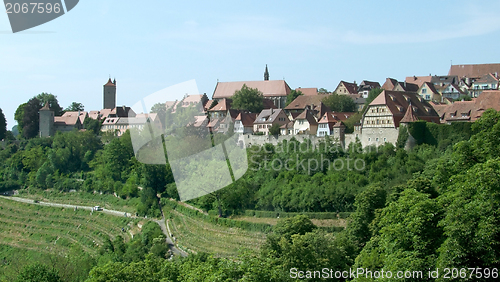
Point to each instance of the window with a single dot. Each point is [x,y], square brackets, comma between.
[369,139]
[378,121]
[376,139]
[385,139]
[427,97]
[424,90]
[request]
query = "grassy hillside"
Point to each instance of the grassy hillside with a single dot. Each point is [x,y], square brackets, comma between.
[81,199]
[56,230]
[200,236]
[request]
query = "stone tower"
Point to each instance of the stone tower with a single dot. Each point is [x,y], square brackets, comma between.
[109,95]
[46,121]
[266,74]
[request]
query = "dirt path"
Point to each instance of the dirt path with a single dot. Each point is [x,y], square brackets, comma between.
[161,222]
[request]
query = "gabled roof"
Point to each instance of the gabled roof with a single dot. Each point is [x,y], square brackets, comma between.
[389,84]
[269,88]
[429,86]
[302,102]
[122,111]
[200,120]
[373,84]
[444,79]
[69,118]
[94,115]
[418,80]
[474,70]
[287,125]
[397,102]
[247,119]
[487,78]
[308,91]
[456,87]
[268,116]
[410,87]
[352,88]
[222,106]
[307,115]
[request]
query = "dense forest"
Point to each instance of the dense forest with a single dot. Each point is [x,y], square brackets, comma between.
[432,207]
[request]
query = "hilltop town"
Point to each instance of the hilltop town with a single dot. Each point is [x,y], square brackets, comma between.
[371,112]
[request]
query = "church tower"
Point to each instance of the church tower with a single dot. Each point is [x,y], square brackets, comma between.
[266,74]
[109,95]
[46,121]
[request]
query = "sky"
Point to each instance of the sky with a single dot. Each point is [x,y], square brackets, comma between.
[151,45]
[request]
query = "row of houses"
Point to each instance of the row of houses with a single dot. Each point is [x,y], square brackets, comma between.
[429,98]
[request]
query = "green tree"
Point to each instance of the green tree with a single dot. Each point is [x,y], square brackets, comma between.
[323,91]
[75,107]
[51,100]
[339,103]
[250,99]
[372,95]
[472,219]
[93,125]
[19,116]
[3,125]
[38,273]
[161,110]
[292,96]
[275,129]
[31,118]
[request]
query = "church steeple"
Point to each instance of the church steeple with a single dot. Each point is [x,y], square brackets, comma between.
[266,74]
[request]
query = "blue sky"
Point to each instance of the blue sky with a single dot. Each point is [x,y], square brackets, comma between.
[150,45]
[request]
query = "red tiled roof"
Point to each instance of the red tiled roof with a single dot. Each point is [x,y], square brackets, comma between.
[307,115]
[474,70]
[222,106]
[398,102]
[109,83]
[409,115]
[389,84]
[418,80]
[352,88]
[308,91]
[302,102]
[269,88]
[247,119]
[373,84]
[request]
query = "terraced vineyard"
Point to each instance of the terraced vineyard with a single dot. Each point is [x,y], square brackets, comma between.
[55,230]
[201,236]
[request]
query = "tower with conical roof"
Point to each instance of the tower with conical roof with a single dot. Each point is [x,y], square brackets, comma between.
[46,121]
[266,74]
[109,95]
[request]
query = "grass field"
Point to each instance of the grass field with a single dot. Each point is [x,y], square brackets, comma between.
[318,222]
[201,236]
[82,198]
[56,230]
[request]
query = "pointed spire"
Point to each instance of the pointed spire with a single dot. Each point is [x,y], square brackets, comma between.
[266,74]
[410,115]
[114,81]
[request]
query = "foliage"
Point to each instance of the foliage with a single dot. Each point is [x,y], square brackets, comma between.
[92,125]
[372,95]
[3,125]
[247,98]
[75,107]
[292,96]
[275,129]
[38,273]
[339,103]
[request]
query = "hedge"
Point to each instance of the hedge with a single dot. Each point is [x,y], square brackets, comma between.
[311,215]
[227,222]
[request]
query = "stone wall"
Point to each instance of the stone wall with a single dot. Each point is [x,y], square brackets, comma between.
[371,136]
